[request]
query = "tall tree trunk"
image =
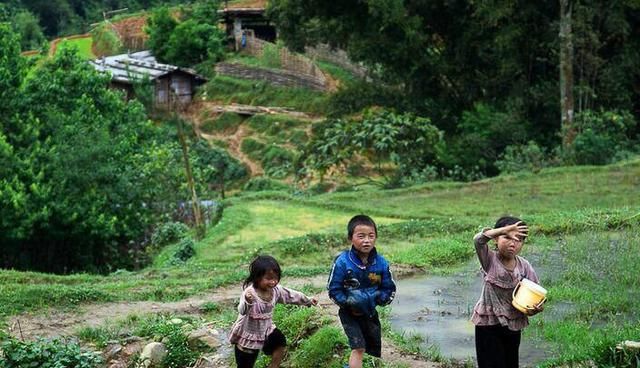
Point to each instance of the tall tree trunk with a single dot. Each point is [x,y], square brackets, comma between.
[197,215]
[566,74]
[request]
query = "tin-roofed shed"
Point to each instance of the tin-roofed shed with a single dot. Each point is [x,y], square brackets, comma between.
[169,81]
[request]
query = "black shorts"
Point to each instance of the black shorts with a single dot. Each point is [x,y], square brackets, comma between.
[246,359]
[363,332]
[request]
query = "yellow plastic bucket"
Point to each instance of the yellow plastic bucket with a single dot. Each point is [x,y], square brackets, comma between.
[528,295]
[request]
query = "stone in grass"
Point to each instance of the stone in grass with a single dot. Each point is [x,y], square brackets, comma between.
[152,355]
[629,345]
[206,336]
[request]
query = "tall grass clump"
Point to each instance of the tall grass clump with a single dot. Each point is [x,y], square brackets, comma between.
[327,345]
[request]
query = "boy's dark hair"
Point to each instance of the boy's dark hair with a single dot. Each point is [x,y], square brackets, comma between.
[360,220]
[506,221]
[259,267]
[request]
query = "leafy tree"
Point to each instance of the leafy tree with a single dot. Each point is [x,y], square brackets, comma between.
[77,191]
[482,136]
[12,71]
[160,26]
[217,168]
[26,24]
[190,41]
[446,57]
[411,143]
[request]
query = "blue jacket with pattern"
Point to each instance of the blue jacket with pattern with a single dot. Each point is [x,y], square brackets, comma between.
[358,287]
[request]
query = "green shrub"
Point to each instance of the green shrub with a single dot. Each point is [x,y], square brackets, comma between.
[277,161]
[46,354]
[186,250]
[484,134]
[168,233]
[529,157]
[601,137]
[418,176]
[354,97]
[260,184]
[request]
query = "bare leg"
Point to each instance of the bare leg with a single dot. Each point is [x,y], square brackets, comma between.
[276,357]
[355,360]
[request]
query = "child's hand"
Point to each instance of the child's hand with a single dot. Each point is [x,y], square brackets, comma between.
[249,297]
[535,310]
[515,231]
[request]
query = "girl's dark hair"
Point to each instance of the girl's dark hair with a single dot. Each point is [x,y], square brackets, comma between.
[259,267]
[360,220]
[507,220]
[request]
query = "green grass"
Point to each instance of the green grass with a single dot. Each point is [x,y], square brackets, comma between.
[83,45]
[343,75]
[550,192]
[594,295]
[229,90]
[583,220]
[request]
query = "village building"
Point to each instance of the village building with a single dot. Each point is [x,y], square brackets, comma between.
[172,84]
[247,17]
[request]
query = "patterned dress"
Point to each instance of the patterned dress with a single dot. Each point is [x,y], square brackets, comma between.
[255,320]
[494,306]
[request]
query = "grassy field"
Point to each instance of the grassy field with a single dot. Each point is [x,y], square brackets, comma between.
[583,221]
[82,44]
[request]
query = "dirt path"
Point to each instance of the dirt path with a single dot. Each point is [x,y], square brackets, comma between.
[234,141]
[200,111]
[65,323]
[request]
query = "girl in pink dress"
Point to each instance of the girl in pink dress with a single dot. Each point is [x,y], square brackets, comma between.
[254,329]
[498,323]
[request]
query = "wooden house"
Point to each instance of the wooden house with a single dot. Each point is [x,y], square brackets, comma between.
[172,85]
[247,15]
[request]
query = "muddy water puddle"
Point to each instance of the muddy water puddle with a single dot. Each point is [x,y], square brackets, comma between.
[438,308]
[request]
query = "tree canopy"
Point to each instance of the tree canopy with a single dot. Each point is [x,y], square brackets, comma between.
[452,59]
[83,170]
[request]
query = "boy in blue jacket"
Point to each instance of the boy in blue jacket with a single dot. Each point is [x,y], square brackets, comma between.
[360,279]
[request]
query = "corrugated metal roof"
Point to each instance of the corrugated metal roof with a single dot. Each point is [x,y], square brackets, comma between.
[128,68]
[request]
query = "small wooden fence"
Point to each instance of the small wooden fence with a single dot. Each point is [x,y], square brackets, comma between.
[289,61]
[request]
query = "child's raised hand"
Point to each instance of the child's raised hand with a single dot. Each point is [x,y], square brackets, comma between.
[517,231]
[249,297]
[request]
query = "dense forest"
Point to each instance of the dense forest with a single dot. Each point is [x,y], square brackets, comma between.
[488,73]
